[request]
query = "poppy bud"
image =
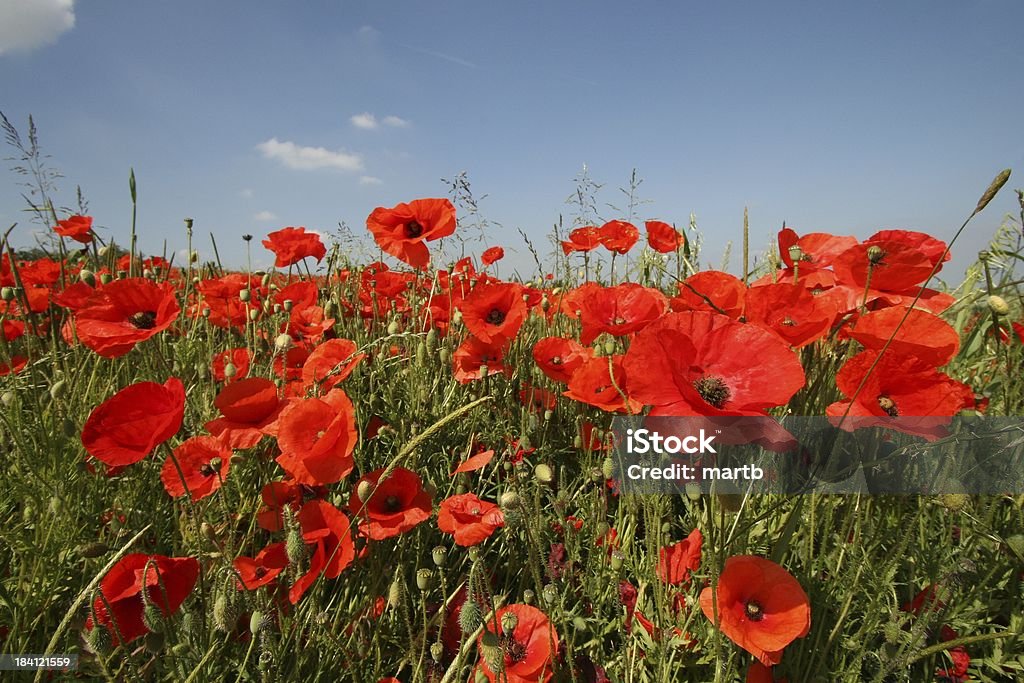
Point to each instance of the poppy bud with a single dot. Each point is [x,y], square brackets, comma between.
[456,318]
[509,501]
[493,655]
[288,305]
[207,312]
[329,308]
[152,617]
[225,613]
[395,591]
[105,278]
[954,502]
[122,274]
[193,256]
[93,550]
[544,473]
[58,389]
[998,305]
[393,327]
[470,618]
[431,339]
[295,547]
[87,276]
[7,398]
[237,459]
[617,560]
[364,490]
[596,475]
[7,293]
[607,468]
[440,556]
[609,347]
[421,354]
[98,639]
[244,295]
[105,250]
[445,355]
[529,597]
[283,343]
[577,442]
[424,579]
[437,652]
[154,643]
[147,273]
[206,529]
[893,632]
[550,594]
[257,622]
[230,370]
[509,621]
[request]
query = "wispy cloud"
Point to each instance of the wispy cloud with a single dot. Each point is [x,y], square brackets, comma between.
[309,158]
[395,122]
[265,216]
[370,180]
[441,55]
[26,26]
[366,121]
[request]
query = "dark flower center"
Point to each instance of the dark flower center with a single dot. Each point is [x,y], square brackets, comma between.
[889,406]
[754,611]
[413,229]
[515,651]
[713,390]
[496,316]
[619,321]
[557,360]
[788,322]
[207,470]
[392,503]
[143,320]
[261,572]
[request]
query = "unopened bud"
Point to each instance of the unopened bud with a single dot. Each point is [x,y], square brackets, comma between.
[244,295]
[58,389]
[230,370]
[87,276]
[998,305]
[7,293]
[544,473]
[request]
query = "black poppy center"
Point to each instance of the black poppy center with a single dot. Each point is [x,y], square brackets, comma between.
[889,406]
[143,320]
[713,390]
[515,651]
[413,229]
[261,572]
[788,322]
[392,503]
[620,320]
[557,360]
[754,611]
[207,470]
[496,316]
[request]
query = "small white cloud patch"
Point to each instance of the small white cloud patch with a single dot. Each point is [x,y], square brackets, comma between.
[309,158]
[366,121]
[29,24]
[395,122]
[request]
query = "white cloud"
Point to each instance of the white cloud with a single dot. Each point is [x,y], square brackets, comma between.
[264,216]
[395,122]
[370,180]
[309,158]
[366,121]
[29,24]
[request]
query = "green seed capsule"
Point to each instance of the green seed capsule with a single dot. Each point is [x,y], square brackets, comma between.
[58,389]
[393,327]
[87,276]
[998,305]
[244,295]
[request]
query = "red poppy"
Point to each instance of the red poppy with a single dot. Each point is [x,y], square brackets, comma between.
[619,310]
[126,427]
[537,399]
[921,335]
[601,382]
[761,607]
[280,494]
[16,365]
[474,354]
[528,650]
[759,673]
[248,406]
[618,236]
[291,245]
[198,468]
[663,238]
[711,290]
[469,519]
[78,228]
[675,562]
[330,363]
[699,363]
[474,462]
[167,581]
[124,313]
[239,357]
[317,438]
[254,572]
[221,297]
[492,255]
[559,358]
[816,249]
[494,312]
[790,311]
[398,503]
[403,230]
[894,265]
[329,531]
[583,239]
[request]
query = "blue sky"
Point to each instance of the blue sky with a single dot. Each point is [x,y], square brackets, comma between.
[251,116]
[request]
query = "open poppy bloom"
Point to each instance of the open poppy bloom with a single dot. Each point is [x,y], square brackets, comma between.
[923,335]
[248,406]
[711,290]
[474,355]
[124,313]
[527,651]
[559,358]
[663,238]
[494,312]
[792,312]
[397,505]
[78,228]
[203,461]
[124,584]
[761,607]
[254,572]
[699,363]
[126,427]
[329,531]
[582,239]
[317,437]
[618,236]
[330,363]
[403,229]
[601,382]
[675,562]
[619,310]
[469,519]
[492,255]
[291,245]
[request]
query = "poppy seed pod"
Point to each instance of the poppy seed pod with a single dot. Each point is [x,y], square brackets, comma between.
[998,305]
[550,593]
[875,254]
[424,579]
[529,597]
[288,305]
[544,473]
[364,490]
[509,621]
[282,343]
[7,293]
[230,370]
[244,295]
[87,276]
[440,556]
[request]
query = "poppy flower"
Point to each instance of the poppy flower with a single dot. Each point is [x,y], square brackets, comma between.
[922,335]
[816,249]
[790,311]
[329,530]
[492,255]
[78,228]
[469,519]
[204,463]
[126,427]
[582,239]
[397,505]
[474,462]
[248,406]
[894,265]
[559,358]
[675,562]
[317,437]
[528,650]
[166,582]
[619,310]
[124,313]
[711,290]
[330,363]
[601,382]
[16,365]
[403,229]
[761,607]
[291,245]
[663,238]
[280,494]
[618,236]
[254,572]
[699,363]
[220,296]
[537,399]
[475,354]
[759,673]
[494,312]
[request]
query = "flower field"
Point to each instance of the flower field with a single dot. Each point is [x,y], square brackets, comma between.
[400,468]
